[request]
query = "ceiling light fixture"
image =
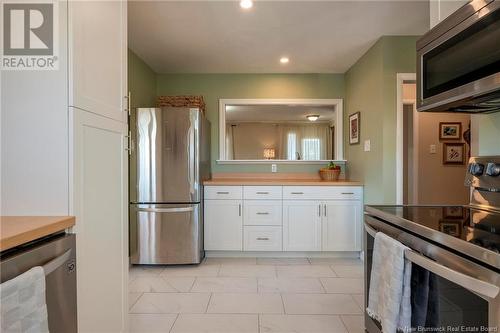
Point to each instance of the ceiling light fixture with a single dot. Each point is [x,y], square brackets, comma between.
[246,4]
[312,117]
[284,60]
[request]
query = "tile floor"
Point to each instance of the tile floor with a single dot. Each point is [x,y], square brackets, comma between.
[258,295]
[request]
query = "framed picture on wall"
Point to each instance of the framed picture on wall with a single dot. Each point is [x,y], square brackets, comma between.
[454,153]
[354,128]
[452,228]
[450,131]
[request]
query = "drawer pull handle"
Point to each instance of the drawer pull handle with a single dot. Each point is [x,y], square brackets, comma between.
[222,192]
[297,192]
[262,213]
[262,238]
[347,193]
[262,192]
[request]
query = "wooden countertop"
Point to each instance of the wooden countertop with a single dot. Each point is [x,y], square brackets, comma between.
[18,230]
[279,182]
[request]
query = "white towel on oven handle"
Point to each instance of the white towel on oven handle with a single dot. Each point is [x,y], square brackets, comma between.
[23,305]
[389,298]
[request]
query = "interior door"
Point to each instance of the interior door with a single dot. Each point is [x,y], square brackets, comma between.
[168,234]
[301,225]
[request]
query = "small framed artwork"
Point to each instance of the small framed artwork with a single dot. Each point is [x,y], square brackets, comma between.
[450,131]
[354,129]
[454,212]
[454,153]
[452,228]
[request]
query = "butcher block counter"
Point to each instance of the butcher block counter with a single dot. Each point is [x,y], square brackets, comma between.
[18,230]
[278,179]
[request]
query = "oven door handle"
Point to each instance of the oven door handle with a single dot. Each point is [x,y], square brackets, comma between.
[55,263]
[481,288]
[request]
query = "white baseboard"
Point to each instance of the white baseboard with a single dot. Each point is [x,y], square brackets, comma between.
[261,254]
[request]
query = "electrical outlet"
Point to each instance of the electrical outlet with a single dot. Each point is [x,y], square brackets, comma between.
[367,145]
[432,149]
[274,168]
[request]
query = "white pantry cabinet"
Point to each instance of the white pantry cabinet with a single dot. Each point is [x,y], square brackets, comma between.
[223,225]
[98,57]
[284,218]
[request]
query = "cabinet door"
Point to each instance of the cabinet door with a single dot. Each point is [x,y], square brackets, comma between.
[98,57]
[100,204]
[341,225]
[223,225]
[301,225]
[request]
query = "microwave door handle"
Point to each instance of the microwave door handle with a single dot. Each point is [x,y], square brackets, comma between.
[166,210]
[56,263]
[479,287]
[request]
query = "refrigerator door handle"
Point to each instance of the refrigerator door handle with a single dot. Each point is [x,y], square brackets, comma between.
[166,210]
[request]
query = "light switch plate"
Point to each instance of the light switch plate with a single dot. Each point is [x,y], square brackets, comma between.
[274,168]
[432,149]
[367,145]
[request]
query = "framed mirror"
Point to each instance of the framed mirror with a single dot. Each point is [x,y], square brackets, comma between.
[280,130]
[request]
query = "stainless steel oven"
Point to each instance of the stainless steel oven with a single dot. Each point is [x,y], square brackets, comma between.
[458,61]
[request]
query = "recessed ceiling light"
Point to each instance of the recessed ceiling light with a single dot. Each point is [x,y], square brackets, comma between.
[246,4]
[284,60]
[313,117]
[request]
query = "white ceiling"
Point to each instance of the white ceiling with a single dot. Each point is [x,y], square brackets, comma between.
[220,37]
[278,113]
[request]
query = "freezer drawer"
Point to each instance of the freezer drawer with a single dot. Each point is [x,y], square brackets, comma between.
[167,234]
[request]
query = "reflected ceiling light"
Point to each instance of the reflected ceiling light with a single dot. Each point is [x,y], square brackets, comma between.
[246,4]
[284,60]
[312,117]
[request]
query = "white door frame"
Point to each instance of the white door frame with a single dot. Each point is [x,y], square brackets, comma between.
[400,78]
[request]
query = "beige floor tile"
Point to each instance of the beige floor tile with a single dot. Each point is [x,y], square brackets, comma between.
[295,271]
[191,270]
[336,261]
[144,270]
[301,324]
[171,303]
[132,298]
[245,303]
[225,285]
[348,271]
[247,271]
[290,285]
[150,323]
[360,300]
[354,324]
[161,284]
[230,261]
[320,304]
[216,323]
[282,261]
[343,285]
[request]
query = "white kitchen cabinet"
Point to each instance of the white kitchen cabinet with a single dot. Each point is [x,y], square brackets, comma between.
[98,57]
[223,225]
[302,225]
[341,223]
[262,238]
[262,212]
[100,204]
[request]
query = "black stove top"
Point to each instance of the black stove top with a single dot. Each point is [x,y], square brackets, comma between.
[476,226]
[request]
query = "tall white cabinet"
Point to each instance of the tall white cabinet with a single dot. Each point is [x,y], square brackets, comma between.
[64,135]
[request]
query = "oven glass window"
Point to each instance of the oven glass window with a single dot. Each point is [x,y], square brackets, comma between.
[437,302]
[466,57]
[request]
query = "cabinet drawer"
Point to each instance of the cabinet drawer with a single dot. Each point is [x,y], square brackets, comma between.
[322,192]
[262,192]
[224,192]
[262,212]
[262,238]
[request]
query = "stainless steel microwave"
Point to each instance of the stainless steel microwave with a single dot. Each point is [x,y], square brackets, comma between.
[458,61]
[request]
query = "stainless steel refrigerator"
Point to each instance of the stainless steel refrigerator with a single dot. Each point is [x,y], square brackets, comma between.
[170,161]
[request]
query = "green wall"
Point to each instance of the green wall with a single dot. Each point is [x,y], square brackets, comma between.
[215,86]
[489,134]
[141,82]
[370,86]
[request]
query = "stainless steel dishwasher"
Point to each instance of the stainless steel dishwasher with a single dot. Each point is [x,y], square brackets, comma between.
[56,254]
